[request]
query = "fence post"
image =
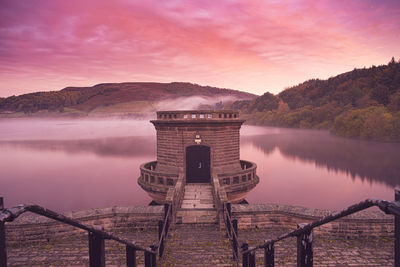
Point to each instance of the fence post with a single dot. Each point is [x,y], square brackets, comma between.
[130,257]
[228,216]
[269,258]
[150,258]
[245,255]
[96,250]
[252,259]
[304,248]
[397,232]
[235,241]
[3,249]
[153,256]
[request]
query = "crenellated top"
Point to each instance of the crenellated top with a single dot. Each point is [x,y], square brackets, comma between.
[196,115]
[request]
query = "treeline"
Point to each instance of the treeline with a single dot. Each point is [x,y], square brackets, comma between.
[88,98]
[51,101]
[362,103]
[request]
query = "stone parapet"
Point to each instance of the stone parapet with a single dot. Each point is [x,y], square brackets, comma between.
[32,227]
[366,224]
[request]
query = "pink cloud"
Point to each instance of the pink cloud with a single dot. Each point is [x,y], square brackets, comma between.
[257,46]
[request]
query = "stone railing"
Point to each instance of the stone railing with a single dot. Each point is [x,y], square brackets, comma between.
[197,115]
[220,198]
[247,176]
[148,175]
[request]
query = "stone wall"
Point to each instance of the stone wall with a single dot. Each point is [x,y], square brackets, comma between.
[223,139]
[366,224]
[32,227]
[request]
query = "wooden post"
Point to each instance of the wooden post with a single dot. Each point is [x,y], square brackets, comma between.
[252,259]
[269,258]
[234,237]
[228,225]
[245,255]
[160,228]
[304,248]
[147,259]
[153,256]
[130,257]
[3,248]
[96,250]
[397,232]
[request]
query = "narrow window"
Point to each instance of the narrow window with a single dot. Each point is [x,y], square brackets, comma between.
[174,116]
[170,116]
[230,115]
[201,116]
[244,178]
[226,181]
[236,179]
[209,116]
[146,178]
[225,115]
[185,116]
[235,115]
[249,176]
[170,181]
[193,116]
[160,180]
[152,179]
[219,115]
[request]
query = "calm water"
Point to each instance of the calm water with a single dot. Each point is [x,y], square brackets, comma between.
[79,164]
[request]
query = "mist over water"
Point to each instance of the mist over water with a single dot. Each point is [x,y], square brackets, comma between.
[81,164]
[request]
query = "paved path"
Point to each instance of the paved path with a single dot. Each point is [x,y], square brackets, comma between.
[328,251]
[192,245]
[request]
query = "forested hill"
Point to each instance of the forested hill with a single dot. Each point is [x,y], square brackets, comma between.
[361,103]
[134,99]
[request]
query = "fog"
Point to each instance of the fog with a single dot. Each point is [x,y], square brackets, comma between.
[72,129]
[192,102]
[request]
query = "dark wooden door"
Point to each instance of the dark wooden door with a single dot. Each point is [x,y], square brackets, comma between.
[198,164]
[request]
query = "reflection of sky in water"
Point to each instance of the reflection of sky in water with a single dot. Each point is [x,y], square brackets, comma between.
[70,165]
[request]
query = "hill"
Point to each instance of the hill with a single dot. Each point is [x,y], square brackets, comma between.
[361,103]
[122,99]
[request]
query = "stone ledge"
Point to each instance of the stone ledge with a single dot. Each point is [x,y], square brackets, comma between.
[309,213]
[31,218]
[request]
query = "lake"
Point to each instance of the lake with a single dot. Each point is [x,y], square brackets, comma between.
[79,164]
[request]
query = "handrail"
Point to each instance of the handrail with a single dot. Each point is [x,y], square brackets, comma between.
[9,215]
[96,236]
[386,206]
[304,233]
[231,231]
[165,227]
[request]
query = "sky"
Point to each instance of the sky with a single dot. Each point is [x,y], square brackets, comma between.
[254,46]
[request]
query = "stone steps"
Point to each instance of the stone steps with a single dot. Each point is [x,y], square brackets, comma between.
[197,205]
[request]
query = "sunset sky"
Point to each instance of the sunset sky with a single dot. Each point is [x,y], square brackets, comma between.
[254,46]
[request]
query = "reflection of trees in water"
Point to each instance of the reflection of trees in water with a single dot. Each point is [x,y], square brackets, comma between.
[371,161]
[118,146]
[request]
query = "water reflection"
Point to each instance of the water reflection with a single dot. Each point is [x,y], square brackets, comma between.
[372,161]
[134,146]
[81,165]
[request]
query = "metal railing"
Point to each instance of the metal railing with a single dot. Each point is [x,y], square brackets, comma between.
[231,231]
[305,236]
[163,228]
[96,236]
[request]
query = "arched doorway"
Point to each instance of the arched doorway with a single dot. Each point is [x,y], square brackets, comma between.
[198,164]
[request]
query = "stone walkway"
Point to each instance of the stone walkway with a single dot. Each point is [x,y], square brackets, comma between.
[328,251]
[193,245]
[73,251]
